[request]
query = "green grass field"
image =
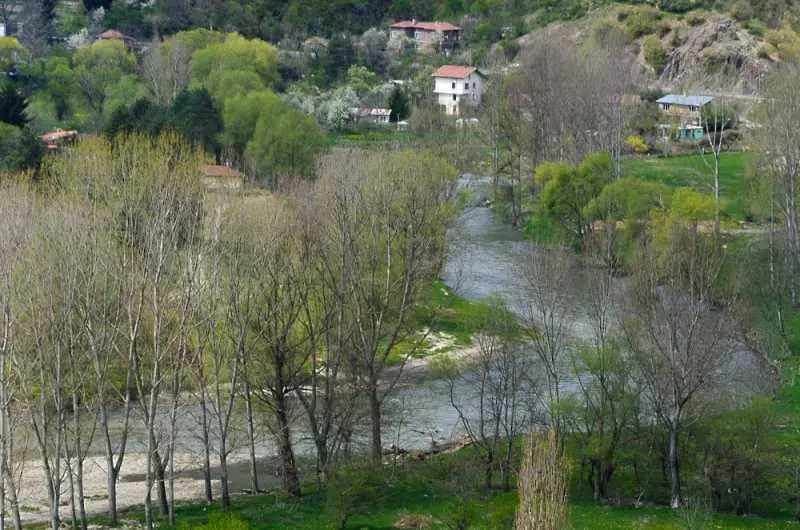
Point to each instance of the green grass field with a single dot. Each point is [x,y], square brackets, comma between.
[692,171]
[415,498]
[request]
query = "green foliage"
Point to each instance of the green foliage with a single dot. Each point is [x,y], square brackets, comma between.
[13,105]
[100,66]
[654,53]
[234,67]
[197,116]
[741,10]
[284,146]
[126,90]
[219,521]
[628,199]
[398,102]
[361,79]
[241,115]
[642,21]
[354,488]
[12,54]
[683,171]
[567,191]
[61,83]
[19,149]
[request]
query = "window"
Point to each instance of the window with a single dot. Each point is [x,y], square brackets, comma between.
[466,86]
[454,84]
[473,85]
[665,106]
[692,108]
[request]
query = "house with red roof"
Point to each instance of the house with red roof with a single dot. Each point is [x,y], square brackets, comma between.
[216,177]
[54,140]
[431,36]
[458,86]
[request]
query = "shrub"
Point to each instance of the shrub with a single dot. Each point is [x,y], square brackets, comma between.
[637,144]
[741,10]
[695,19]
[606,31]
[219,521]
[654,54]
[756,28]
[664,29]
[642,21]
[355,487]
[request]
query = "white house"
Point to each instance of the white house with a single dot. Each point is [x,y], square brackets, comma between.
[429,36]
[455,86]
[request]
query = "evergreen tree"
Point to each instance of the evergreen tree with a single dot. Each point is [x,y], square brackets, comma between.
[398,102]
[12,105]
[199,119]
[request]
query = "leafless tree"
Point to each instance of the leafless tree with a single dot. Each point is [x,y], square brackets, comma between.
[493,393]
[167,70]
[678,334]
[394,249]
[548,277]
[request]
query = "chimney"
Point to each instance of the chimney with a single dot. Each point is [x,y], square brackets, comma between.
[414,21]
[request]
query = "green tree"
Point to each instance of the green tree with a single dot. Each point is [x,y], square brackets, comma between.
[12,105]
[100,66]
[19,149]
[361,79]
[241,115]
[398,102]
[61,83]
[337,61]
[198,118]
[237,61]
[654,53]
[12,53]
[126,90]
[285,146]
[567,191]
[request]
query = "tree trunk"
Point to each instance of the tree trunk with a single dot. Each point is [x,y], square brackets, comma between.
[251,435]
[291,482]
[375,418]
[675,477]
[488,463]
[206,445]
[161,487]
[223,468]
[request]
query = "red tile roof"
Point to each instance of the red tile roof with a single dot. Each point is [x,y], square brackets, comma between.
[454,72]
[57,135]
[113,34]
[425,26]
[219,171]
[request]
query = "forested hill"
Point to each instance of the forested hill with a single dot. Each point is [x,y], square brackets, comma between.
[489,20]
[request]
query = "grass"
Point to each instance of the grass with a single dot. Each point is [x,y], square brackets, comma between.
[444,492]
[692,171]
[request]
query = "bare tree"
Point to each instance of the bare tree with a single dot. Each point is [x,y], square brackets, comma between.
[493,393]
[393,251]
[678,334]
[716,119]
[548,276]
[167,70]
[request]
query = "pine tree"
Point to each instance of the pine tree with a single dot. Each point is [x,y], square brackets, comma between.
[398,102]
[12,105]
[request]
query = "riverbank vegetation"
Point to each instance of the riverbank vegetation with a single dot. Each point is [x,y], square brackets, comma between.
[653,332]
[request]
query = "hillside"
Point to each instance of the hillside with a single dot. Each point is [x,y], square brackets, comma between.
[705,50]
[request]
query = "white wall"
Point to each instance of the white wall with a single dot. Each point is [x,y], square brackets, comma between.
[469,90]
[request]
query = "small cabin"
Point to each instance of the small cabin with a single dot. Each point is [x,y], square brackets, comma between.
[221,178]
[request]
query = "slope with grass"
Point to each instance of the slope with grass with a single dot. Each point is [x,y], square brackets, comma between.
[694,171]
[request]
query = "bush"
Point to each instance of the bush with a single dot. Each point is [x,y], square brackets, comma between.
[606,31]
[642,21]
[695,19]
[355,487]
[219,521]
[637,144]
[741,10]
[654,54]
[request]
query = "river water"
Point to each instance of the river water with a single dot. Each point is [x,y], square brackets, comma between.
[482,262]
